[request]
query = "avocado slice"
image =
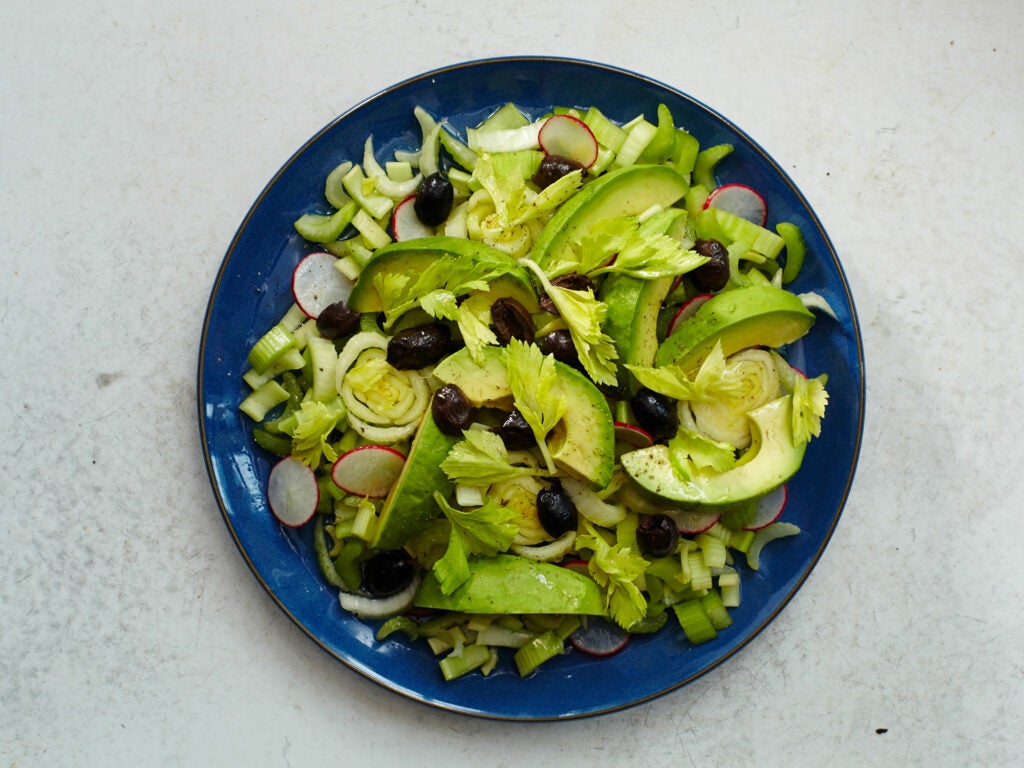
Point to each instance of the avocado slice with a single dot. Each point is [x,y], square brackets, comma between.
[632,322]
[582,444]
[409,506]
[411,257]
[626,191]
[510,584]
[760,315]
[769,462]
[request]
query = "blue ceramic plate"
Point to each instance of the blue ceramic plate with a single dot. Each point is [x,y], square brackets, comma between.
[252,291]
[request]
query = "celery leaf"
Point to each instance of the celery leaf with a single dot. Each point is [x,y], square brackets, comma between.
[711,382]
[809,401]
[532,377]
[314,422]
[481,459]
[689,449]
[615,569]
[583,315]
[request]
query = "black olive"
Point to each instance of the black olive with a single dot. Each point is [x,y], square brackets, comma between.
[555,511]
[655,413]
[511,321]
[574,281]
[387,573]
[714,274]
[552,168]
[451,410]
[515,432]
[559,345]
[418,347]
[337,320]
[657,536]
[433,200]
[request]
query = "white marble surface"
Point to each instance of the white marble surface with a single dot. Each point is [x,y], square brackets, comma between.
[134,136]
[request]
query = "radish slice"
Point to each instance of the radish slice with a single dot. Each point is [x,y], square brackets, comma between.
[769,509]
[405,224]
[369,470]
[599,637]
[692,522]
[569,137]
[317,283]
[633,435]
[366,607]
[292,492]
[740,200]
[686,311]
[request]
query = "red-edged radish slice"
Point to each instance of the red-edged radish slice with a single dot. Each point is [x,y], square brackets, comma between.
[317,283]
[686,311]
[769,509]
[292,492]
[597,636]
[368,470]
[405,224]
[632,435]
[740,200]
[692,522]
[569,137]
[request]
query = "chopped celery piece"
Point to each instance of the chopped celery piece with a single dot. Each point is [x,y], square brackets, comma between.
[398,624]
[374,234]
[542,648]
[684,153]
[735,228]
[258,403]
[662,143]
[471,657]
[270,347]
[796,249]
[765,535]
[693,618]
[334,190]
[706,163]
[637,140]
[694,200]
[715,609]
[507,117]
[323,557]
[277,444]
[460,152]
[607,133]
[361,190]
[323,360]
[319,228]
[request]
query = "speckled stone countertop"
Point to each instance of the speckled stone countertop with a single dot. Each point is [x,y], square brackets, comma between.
[133,139]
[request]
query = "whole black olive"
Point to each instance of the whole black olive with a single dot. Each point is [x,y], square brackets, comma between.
[574,281]
[451,410]
[337,320]
[559,345]
[515,432]
[713,274]
[657,536]
[555,511]
[418,347]
[387,573]
[655,413]
[552,168]
[511,321]
[434,199]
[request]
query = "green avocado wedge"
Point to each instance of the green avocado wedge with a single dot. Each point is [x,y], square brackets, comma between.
[581,444]
[740,318]
[510,584]
[632,322]
[627,191]
[769,462]
[413,257]
[409,506]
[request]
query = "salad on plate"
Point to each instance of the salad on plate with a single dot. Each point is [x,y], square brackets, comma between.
[532,391]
